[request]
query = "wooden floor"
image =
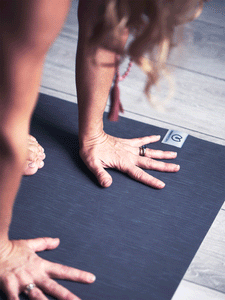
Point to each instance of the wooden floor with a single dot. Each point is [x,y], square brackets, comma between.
[198,108]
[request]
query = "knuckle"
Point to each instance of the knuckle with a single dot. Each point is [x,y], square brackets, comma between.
[64,270]
[100,173]
[86,154]
[138,174]
[89,160]
[83,276]
[78,274]
[149,163]
[123,165]
[42,265]
[161,154]
[45,241]
[49,285]
[167,167]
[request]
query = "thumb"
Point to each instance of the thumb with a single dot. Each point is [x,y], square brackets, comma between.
[102,176]
[41,244]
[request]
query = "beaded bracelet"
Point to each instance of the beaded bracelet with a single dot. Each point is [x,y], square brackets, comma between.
[115,103]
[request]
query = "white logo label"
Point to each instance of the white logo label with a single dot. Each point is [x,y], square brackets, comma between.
[175,138]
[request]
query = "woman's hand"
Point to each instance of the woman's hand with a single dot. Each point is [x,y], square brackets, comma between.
[20,266]
[106,151]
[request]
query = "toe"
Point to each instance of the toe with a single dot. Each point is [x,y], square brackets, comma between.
[30,169]
[41,165]
[32,138]
[35,157]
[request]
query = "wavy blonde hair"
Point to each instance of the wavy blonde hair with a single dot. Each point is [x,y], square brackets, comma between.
[151,24]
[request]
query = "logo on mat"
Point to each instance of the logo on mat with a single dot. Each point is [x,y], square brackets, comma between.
[175,138]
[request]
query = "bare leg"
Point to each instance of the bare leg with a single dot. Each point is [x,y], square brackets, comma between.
[23,46]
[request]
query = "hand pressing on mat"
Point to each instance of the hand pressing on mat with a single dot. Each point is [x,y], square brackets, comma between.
[95,69]
[35,157]
[23,271]
[124,155]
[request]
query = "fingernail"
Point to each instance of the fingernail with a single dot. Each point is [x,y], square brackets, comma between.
[158,136]
[177,167]
[174,153]
[32,165]
[161,185]
[41,164]
[107,182]
[91,278]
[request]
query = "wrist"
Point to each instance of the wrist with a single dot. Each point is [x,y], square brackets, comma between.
[4,229]
[87,139]
[5,246]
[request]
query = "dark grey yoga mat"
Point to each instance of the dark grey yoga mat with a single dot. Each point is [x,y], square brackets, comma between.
[138,241]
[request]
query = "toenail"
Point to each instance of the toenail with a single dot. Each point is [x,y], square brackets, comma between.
[32,165]
[43,155]
[32,138]
[41,148]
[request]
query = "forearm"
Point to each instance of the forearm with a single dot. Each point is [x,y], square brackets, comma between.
[94,75]
[95,69]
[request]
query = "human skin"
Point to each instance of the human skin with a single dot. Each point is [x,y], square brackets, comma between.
[35,157]
[95,69]
[24,44]
[27,30]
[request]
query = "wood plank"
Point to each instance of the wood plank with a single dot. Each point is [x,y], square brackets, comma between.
[197,106]
[203,49]
[214,12]
[223,207]
[198,103]
[208,267]
[190,291]
[204,40]
[138,117]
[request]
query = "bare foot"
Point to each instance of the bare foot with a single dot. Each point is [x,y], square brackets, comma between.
[35,157]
